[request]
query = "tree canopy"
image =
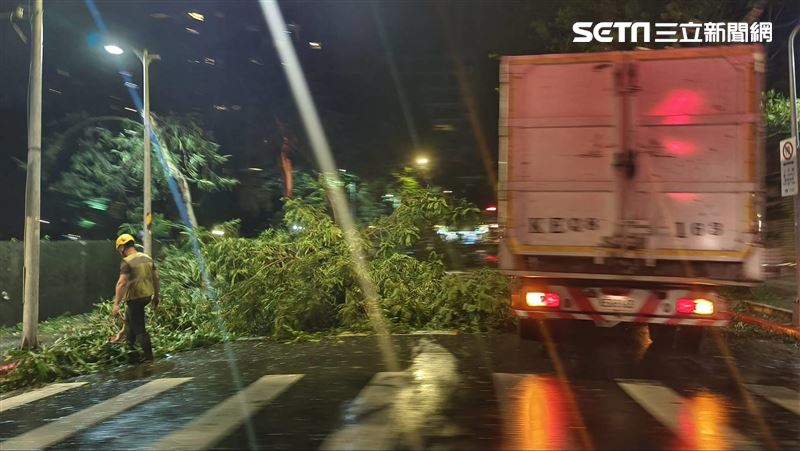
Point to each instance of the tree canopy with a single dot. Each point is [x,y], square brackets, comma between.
[96,169]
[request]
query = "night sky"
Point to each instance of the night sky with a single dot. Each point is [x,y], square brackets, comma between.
[225,69]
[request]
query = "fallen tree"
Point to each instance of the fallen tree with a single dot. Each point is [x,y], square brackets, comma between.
[290,282]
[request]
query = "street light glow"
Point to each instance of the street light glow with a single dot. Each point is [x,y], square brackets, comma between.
[422,161]
[197,16]
[114,49]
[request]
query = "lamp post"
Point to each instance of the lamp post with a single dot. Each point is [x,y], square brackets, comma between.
[793,109]
[147,220]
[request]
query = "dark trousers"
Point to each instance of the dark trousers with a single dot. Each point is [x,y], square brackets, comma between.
[134,326]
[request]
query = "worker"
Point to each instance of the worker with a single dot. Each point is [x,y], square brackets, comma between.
[138,285]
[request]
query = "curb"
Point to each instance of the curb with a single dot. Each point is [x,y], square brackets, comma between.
[771,326]
[766,309]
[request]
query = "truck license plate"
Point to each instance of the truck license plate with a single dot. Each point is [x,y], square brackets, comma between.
[617,303]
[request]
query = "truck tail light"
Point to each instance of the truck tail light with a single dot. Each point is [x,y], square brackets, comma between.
[695,306]
[703,307]
[541,299]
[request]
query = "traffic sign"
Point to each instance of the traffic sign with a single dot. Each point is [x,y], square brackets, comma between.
[788,158]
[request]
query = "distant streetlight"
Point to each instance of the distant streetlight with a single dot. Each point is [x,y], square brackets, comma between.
[114,49]
[196,16]
[422,161]
[145,57]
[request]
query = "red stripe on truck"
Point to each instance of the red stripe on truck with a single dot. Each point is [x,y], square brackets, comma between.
[650,305]
[583,303]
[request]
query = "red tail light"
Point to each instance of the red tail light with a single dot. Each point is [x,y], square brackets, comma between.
[552,300]
[695,306]
[539,299]
[685,306]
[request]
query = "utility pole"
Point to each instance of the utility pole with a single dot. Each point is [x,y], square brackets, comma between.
[147,231]
[30,274]
[793,110]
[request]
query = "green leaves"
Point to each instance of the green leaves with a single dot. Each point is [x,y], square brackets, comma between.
[777,110]
[300,278]
[289,282]
[107,163]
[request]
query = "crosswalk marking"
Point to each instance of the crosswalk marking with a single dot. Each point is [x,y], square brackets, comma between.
[35,395]
[372,411]
[533,409]
[63,428]
[667,407]
[219,421]
[782,396]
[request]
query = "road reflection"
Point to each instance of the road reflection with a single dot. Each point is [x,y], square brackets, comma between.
[702,423]
[536,415]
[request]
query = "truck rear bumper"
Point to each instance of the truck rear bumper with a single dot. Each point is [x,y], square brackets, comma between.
[608,303]
[610,319]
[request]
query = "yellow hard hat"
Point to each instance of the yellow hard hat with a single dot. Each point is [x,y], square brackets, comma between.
[125,238]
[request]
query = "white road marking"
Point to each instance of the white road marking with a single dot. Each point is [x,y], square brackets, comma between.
[35,395]
[401,410]
[222,419]
[669,408]
[782,396]
[63,428]
[372,411]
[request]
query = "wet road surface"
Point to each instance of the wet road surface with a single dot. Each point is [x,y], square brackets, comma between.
[604,389]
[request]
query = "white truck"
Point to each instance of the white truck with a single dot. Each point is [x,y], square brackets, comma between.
[630,186]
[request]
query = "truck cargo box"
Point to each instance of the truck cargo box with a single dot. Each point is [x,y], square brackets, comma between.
[644,163]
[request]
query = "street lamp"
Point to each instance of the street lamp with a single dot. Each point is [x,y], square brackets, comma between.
[114,49]
[422,162]
[145,57]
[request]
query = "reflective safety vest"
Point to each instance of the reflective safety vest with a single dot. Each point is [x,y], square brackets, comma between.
[139,268]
